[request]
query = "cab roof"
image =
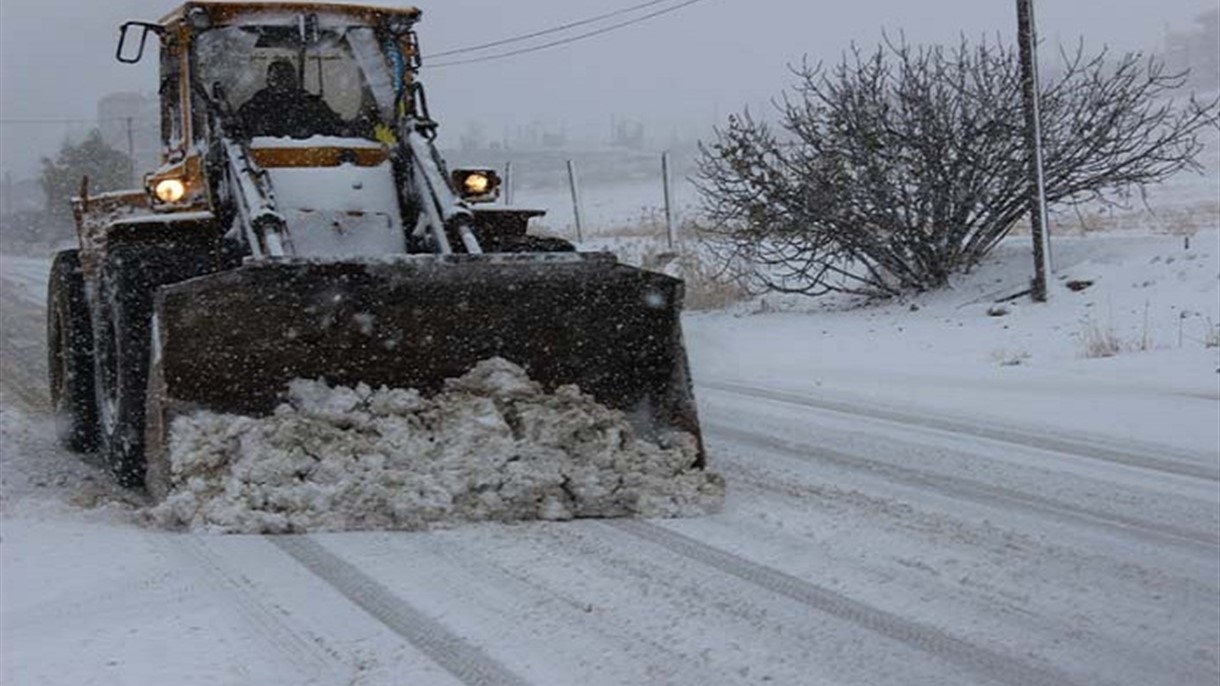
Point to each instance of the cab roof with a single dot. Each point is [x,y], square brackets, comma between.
[223,13]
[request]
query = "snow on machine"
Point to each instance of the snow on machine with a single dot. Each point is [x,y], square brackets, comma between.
[303,225]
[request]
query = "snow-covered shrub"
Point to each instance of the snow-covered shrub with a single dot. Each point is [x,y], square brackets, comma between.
[1100,341]
[1009,358]
[1212,339]
[893,170]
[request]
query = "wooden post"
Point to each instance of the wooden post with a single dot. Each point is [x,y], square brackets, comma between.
[575,186]
[1028,43]
[84,193]
[669,207]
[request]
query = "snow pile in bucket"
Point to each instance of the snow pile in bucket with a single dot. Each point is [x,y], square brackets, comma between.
[491,446]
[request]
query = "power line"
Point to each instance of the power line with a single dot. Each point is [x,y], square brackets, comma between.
[474,60]
[48,122]
[55,121]
[565,41]
[544,32]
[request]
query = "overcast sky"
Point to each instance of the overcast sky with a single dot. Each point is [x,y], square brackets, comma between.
[685,69]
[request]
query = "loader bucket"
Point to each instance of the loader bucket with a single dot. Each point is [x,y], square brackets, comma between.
[232,341]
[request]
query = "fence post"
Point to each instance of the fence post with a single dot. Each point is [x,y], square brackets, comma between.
[575,186]
[669,206]
[508,183]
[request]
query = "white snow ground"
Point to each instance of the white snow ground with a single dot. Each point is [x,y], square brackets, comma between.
[915,496]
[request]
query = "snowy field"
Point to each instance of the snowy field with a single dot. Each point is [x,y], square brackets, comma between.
[621,191]
[939,490]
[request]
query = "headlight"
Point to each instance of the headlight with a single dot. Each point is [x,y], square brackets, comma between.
[477,185]
[170,190]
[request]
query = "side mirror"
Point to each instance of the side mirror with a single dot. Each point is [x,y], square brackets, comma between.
[126,53]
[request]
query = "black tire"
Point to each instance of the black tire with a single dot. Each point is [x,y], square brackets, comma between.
[129,279]
[520,244]
[70,355]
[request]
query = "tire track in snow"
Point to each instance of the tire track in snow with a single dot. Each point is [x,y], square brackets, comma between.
[269,623]
[461,659]
[26,271]
[650,660]
[79,606]
[1182,465]
[929,639]
[978,492]
[23,351]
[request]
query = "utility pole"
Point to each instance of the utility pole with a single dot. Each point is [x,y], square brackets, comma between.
[669,209]
[131,155]
[1027,38]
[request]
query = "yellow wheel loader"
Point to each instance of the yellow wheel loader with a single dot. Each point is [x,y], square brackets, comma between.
[304,225]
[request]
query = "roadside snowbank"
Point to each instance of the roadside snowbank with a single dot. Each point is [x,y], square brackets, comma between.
[491,446]
[960,353]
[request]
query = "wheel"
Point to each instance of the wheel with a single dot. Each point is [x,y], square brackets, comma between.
[519,244]
[129,279]
[122,352]
[70,355]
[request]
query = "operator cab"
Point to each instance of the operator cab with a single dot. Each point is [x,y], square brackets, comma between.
[312,113]
[290,81]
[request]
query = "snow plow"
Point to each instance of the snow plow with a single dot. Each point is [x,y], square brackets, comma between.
[303,225]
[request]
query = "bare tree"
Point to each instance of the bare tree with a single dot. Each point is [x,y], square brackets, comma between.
[893,170]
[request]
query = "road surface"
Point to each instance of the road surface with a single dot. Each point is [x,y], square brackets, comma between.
[858,545]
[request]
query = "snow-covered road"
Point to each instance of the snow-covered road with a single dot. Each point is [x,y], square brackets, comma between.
[861,543]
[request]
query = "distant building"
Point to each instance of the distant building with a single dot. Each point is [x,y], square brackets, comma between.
[129,122]
[626,133]
[1197,50]
[555,139]
[473,138]
[538,135]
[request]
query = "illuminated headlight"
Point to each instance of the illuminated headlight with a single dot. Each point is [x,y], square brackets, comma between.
[477,185]
[169,190]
